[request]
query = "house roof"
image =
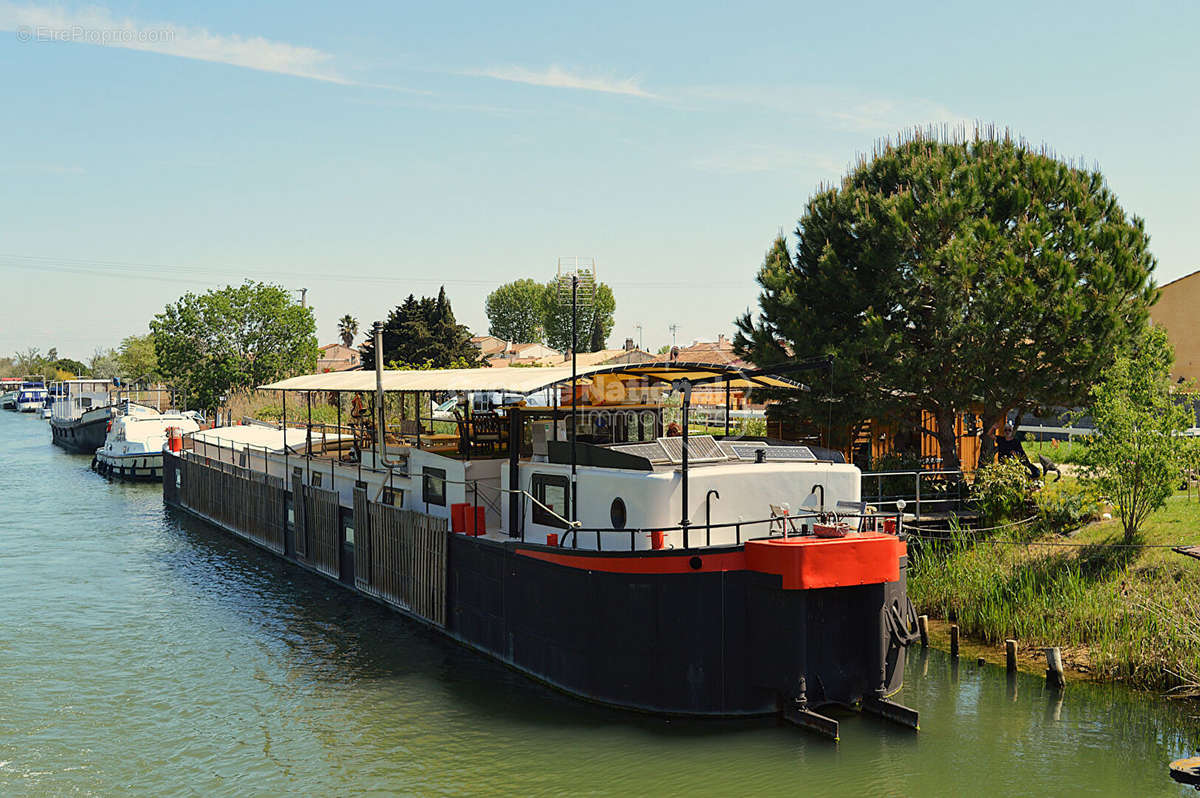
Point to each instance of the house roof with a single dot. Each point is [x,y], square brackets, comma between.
[1180,279]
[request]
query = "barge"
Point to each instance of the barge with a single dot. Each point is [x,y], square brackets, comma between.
[690,575]
[80,412]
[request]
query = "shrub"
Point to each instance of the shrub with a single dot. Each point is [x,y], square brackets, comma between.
[1066,506]
[1002,491]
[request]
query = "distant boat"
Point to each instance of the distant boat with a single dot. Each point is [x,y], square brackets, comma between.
[133,447]
[9,388]
[80,414]
[32,397]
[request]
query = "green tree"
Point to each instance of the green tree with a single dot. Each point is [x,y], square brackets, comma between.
[516,311]
[595,322]
[1136,455]
[71,366]
[943,272]
[423,333]
[347,329]
[233,340]
[138,360]
[105,364]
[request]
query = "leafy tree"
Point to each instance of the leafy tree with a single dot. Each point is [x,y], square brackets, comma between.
[595,323]
[70,366]
[516,311]
[137,358]
[946,271]
[664,349]
[347,329]
[423,333]
[232,340]
[105,364]
[1136,455]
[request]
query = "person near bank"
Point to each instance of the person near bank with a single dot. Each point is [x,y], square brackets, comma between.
[1009,447]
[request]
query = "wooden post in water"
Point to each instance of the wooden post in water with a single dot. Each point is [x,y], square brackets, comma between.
[1010,656]
[1054,668]
[923,628]
[953,641]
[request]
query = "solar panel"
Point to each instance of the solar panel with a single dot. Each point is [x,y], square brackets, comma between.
[651,451]
[748,451]
[701,448]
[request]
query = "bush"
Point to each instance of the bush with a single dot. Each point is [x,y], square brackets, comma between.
[1066,506]
[1002,491]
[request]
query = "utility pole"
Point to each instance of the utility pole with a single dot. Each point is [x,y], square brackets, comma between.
[673,328]
[638,327]
[303,296]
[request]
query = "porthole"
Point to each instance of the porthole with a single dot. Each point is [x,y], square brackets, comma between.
[616,513]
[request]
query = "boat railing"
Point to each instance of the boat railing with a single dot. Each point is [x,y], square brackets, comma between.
[776,526]
[256,461]
[921,493]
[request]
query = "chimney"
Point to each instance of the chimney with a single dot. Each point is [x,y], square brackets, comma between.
[721,342]
[628,344]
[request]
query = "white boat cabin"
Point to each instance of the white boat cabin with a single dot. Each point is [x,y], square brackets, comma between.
[637,482]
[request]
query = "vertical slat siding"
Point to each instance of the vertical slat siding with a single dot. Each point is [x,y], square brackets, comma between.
[404,562]
[252,508]
[324,533]
[300,513]
[399,555]
[362,540]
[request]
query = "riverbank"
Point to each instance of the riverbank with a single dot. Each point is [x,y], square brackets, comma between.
[1124,614]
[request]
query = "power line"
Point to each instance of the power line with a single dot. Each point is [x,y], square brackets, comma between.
[179,273]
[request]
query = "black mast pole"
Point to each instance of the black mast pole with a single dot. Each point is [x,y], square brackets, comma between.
[574,392]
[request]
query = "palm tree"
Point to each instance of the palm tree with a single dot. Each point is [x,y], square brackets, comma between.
[348,328]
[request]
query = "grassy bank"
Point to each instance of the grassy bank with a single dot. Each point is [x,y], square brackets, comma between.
[1058,451]
[1118,613]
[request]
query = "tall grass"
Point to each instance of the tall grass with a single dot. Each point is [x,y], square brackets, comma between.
[1123,613]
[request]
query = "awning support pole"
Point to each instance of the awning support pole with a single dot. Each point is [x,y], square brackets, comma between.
[686,387]
[727,405]
[286,472]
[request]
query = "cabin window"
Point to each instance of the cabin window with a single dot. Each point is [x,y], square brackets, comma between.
[315,479]
[616,513]
[433,485]
[552,490]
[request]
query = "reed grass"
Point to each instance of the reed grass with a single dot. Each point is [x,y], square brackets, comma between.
[1120,614]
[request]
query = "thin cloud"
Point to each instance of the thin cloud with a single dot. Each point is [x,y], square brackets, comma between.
[556,77]
[842,109]
[760,158]
[97,26]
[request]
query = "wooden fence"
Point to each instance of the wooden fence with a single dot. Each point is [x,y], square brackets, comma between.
[317,527]
[400,557]
[252,508]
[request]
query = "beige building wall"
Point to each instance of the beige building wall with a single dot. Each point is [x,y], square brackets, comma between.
[1178,312]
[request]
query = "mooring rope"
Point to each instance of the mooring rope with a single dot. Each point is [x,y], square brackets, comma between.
[1030,519]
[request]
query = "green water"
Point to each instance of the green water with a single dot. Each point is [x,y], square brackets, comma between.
[143,653]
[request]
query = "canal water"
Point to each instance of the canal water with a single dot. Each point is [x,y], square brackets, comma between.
[145,653]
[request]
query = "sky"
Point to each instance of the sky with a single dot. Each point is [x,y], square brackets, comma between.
[366,151]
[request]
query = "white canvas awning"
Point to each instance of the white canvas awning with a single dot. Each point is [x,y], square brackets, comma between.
[528,380]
